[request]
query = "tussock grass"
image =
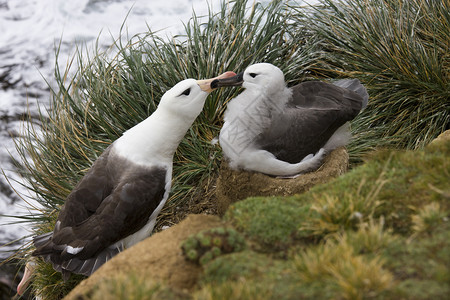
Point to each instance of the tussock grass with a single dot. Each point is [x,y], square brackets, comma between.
[399,50]
[48,284]
[371,237]
[332,214]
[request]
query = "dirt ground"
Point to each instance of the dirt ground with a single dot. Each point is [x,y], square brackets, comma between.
[158,258]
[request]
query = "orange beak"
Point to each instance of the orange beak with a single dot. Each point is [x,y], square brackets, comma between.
[29,270]
[205,84]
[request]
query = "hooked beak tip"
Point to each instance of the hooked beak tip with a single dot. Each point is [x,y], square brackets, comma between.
[207,85]
[236,80]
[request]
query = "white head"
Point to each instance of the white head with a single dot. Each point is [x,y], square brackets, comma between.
[262,77]
[185,99]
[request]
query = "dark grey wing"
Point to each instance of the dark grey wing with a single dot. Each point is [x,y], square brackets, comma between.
[126,210]
[316,111]
[82,202]
[298,133]
[322,95]
[355,86]
[122,213]
[88,194]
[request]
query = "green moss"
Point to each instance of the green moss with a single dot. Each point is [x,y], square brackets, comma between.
[206,258]
[420,289]
[263,277]
[205,241]
[216,251]
[234,266]
[270,222]
[423,259]
[217,242]
[192,255]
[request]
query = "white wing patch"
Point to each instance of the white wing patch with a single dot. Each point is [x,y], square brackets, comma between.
[73,251]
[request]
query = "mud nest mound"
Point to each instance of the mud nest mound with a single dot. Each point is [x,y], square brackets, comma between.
[235,185]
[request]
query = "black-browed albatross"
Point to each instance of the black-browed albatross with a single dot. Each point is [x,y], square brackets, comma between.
[116,203]
[281,131]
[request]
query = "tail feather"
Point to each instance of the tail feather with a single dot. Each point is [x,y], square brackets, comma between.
[340,138]
[46,249]
[79,266]
[41,240]
[355,86]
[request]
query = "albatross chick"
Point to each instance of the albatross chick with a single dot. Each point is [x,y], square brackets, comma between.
[281,131]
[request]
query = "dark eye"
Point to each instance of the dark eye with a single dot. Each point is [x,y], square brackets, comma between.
[253,75]
[186,92]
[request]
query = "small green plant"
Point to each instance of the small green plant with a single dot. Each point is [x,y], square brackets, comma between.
[209,244]
[428,218]
[134,287]
[355,276]
[371,237]
[331,213]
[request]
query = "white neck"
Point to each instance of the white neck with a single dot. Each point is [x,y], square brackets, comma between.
[153,140]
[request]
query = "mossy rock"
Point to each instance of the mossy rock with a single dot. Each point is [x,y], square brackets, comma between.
[212,243]
[233,186]
[252,275]
[235,266]
[339,268]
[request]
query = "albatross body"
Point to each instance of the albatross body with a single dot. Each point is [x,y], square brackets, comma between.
[116,203]
[282,131]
